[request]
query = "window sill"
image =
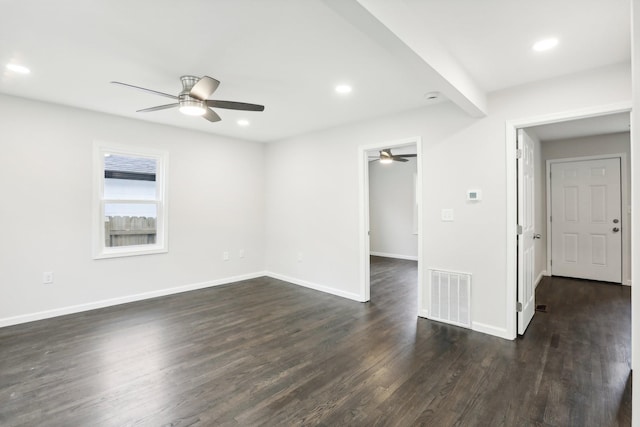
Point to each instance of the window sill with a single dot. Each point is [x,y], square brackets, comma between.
[129,251]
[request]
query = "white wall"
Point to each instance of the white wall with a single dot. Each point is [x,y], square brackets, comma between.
[392,204]
[216,203]
[312,205]
[635,204]
[593,146]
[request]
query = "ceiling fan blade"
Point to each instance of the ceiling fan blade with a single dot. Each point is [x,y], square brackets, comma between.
[407,155]
[155,92]
[204,88]
[231,105]
[398,159]
[211,115]
[159,107]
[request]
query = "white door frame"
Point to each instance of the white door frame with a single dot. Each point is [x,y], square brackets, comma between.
[511,127]
[363,178]
[624,204]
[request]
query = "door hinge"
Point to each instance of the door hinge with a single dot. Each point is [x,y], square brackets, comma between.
[519,229]
[519,307]
[519,153]
[550,262]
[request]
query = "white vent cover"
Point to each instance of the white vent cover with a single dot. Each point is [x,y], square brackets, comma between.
[450,297]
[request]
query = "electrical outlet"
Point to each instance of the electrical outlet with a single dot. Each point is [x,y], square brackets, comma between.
[241,253]
[47,277]
[225,256]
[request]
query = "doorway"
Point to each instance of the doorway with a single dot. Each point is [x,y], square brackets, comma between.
[571,119]
[388,243]
[584,197]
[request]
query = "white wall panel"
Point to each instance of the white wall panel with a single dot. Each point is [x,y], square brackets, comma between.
[571,201]
[598,246]
[216,203]
[459,153]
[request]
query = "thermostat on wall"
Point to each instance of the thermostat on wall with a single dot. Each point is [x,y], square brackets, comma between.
[474,195]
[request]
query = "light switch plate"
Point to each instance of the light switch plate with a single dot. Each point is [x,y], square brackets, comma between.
[447,214]
[47,277]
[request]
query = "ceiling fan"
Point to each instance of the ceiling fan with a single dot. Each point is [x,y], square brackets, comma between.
[192,100]
[387,157]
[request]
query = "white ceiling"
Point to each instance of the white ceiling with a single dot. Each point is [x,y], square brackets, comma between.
[600,125]
[492,39]
[289,55]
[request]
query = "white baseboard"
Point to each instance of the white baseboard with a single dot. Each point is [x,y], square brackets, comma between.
[539,278]
[475,326]
[24,318]
[315,286]
[627,282]
[490,330]
[398,256]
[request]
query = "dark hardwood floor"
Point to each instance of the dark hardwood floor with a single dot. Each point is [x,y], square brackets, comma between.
[265,352]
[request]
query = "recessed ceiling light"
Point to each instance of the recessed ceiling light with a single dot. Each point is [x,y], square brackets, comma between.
[545,44]
[343,89]
[243,122]
[21,69]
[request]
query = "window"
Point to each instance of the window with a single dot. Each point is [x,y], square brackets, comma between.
[130,203]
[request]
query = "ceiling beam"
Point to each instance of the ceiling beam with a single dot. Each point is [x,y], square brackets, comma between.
[393,25]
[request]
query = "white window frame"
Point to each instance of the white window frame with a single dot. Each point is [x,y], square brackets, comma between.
[162,159]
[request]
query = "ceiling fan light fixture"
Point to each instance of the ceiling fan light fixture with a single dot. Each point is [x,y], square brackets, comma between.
[192,110]
[192,107]
[385,157]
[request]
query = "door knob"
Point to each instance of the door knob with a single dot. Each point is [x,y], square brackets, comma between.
[537,236]
[616,229]
[615,221]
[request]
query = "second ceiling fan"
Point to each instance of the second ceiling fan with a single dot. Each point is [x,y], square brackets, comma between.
[192,100]
[387,157]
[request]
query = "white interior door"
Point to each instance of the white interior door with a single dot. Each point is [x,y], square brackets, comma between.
[586,241]
[526,222]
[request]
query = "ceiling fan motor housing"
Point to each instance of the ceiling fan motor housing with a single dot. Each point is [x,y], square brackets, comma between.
[188,82]
[187,102]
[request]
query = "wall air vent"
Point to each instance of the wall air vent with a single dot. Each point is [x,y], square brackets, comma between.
[450,297]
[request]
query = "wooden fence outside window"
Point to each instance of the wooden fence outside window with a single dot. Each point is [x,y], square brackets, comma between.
[129,231]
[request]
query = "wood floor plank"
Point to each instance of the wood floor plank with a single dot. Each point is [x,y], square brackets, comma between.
[266,352]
